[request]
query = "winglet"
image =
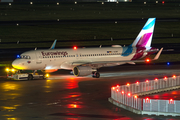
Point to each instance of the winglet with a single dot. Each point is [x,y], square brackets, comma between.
[53,45]
[158,54]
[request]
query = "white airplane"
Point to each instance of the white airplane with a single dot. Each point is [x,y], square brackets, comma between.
[86,61]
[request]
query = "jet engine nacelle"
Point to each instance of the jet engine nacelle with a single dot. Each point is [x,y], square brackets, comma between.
[82,70]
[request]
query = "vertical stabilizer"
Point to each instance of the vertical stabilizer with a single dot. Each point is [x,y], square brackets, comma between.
[145,36]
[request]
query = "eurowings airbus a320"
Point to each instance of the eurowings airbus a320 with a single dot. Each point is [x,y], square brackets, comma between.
[86,61]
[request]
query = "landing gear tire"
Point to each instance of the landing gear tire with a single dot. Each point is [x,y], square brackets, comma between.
[95,75]
[30,77]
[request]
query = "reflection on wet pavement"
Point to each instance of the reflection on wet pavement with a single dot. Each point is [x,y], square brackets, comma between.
[72,83]
[165,95]
[48,86]
[87,115]
[9,108]
[13,119]
[9,86]
[73,106]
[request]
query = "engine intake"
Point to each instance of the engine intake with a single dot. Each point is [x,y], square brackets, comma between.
[82,70]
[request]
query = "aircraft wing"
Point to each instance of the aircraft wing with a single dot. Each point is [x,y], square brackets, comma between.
[111,63]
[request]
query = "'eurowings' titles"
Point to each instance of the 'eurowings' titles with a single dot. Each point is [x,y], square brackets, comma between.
[64,53]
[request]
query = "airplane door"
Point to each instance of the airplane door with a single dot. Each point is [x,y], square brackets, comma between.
[38,58]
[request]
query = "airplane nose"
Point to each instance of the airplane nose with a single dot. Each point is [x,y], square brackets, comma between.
[17,64]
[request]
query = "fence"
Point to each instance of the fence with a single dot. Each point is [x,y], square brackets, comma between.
[127,96]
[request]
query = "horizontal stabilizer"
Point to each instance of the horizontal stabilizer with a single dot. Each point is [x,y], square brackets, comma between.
[158,54]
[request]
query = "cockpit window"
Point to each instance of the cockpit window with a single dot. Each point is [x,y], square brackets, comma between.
[25,57]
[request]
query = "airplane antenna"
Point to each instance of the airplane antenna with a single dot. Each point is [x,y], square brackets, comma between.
[100,46]
[35,48]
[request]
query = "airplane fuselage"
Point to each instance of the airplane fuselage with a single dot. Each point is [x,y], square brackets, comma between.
[68,58]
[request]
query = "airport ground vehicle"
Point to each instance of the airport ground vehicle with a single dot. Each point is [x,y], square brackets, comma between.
[14,74]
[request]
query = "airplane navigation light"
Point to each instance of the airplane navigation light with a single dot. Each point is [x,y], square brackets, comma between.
[147,60]
[74,47]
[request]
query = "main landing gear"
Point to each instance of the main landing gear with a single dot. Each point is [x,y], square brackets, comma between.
[95,75]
